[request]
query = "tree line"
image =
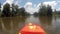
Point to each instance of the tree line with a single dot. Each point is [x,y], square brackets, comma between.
[44,10]
[13,10]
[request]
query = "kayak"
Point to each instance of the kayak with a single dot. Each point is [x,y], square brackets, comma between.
[32,29]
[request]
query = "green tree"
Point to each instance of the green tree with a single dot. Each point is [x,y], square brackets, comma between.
[15,10]
[0,9]
[49,9]
[22,11]
[12,12]
[45,10]
[0,5]
[35,14]
[6,10]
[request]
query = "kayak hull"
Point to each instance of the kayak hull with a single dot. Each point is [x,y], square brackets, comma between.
[32,29]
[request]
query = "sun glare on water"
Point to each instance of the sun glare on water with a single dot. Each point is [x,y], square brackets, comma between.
[31,26]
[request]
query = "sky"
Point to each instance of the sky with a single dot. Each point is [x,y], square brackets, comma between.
[32,6]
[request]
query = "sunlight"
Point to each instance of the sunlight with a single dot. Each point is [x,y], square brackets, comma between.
[31,26]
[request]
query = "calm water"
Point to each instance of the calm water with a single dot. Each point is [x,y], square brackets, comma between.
[12,25]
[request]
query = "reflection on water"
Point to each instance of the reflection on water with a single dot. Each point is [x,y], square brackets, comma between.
[12,25]
[48,24]
[46,20]
[32,19]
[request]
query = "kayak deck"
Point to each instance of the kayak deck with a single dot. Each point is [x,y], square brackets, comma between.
[32,29]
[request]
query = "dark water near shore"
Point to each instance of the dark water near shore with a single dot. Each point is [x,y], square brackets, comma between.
[12,25]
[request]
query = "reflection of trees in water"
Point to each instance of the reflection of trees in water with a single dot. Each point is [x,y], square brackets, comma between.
[46,20]
[6,22]
[17,20]
[0,25]
[12,23]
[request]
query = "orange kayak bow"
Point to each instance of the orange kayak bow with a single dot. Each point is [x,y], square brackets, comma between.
[32,29]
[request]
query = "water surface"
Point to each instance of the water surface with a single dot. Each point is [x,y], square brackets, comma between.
[12,25]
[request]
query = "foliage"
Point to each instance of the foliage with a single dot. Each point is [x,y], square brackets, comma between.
[6,10]
[49,10]
[45,10]
[13,10]
[35,14]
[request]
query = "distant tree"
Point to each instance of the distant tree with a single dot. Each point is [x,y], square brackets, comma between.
[58,12]
[0,5]
[15,9]
[27,14]
[35,14]
[6,10]
[55,12]
[22,11]
[45,10]
[18,11]
[0,9]
[49,9]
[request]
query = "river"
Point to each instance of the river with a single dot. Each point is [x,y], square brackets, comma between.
[12,25]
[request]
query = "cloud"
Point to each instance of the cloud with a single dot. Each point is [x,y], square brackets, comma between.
[58,5]
[53,4]
[39,5]
[28,4]
[10,2]
[36,7]
[7,1]
[17,3]
[29,8]
[58,9]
